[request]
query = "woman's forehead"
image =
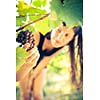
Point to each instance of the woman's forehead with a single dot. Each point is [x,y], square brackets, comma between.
[62,28]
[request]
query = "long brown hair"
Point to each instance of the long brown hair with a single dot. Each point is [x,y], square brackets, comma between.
[78,32]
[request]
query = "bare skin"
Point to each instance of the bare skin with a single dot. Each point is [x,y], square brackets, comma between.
[35,79]
[29,63]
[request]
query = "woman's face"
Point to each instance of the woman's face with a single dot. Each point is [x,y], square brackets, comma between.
[61,36]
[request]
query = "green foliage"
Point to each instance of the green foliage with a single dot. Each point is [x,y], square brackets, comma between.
[39,3]
[43,26]
[17,93]
[55,64]
[20,20]
[22,8]
[53,21]
[70,12]
[35,11]
[29,12]
[21,55]
[31,28]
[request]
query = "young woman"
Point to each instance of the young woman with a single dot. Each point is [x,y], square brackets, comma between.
[49,45]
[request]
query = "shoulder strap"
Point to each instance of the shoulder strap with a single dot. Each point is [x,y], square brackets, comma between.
[51,52]
[48,35]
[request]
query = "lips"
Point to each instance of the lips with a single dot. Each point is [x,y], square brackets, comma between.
[57,41]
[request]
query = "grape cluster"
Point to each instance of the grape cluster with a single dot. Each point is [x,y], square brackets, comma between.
[25,37]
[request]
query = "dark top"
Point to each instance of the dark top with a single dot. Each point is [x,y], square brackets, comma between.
[44,53]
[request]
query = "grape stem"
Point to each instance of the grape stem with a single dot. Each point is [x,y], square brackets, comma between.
[22,27]
[29,15]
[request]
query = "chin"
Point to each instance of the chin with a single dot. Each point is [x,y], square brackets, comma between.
[56,46]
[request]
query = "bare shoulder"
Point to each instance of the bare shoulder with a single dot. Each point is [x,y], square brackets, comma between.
[36,37]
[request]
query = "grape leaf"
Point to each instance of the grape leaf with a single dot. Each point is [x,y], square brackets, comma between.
[33,10]
[70,11]
[20,20]
[53,21]
[34,17]
[39,3]
[31,28]
[22,8]
[21,55]
[43,26]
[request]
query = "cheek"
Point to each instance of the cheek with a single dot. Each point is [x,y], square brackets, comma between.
[52,39]
[54,36]
[64,41]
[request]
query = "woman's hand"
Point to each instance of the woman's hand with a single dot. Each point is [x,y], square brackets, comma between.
[30,62]
[33,56]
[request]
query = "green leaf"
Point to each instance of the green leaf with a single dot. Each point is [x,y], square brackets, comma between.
[53,23]
[20,20]
[33,10]
[21,55]
[34,17]
[53,20]
[30,28]
[74,9]
[70,12]
[43,26]
[39,3]
[22,8]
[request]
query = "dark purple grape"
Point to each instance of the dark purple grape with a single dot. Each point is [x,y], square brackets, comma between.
[25,37]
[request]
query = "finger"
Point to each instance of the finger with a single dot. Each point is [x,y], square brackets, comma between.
[33,56]
[26,46]
[32,51]
[34,61]
[36,57]
[29,59]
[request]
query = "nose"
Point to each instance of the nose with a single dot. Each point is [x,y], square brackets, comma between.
[60,36]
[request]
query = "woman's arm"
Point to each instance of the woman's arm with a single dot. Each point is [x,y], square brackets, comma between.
[28,65]
[44,62]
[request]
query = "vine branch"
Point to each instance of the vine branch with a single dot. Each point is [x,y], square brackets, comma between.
[22,27]
[29,15]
